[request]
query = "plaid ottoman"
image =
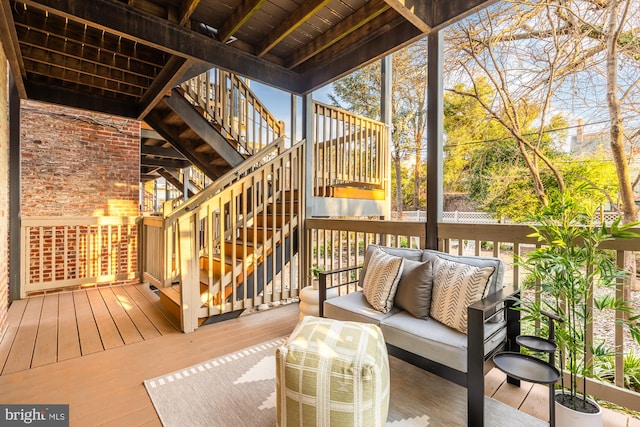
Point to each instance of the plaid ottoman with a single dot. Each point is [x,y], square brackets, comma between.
[332,373]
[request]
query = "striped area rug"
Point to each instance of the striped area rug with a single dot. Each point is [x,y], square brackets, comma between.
[238,389]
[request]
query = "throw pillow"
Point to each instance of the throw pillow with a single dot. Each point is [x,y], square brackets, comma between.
[414,288]
[381,281]
[455,287]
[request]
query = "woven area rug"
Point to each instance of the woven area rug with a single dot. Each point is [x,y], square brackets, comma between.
[239,390]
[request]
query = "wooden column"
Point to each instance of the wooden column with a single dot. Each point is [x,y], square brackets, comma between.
[15,193]
[386,69]
[435,129]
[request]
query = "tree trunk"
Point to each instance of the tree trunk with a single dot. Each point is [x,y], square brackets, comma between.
[398,171]
[629,209]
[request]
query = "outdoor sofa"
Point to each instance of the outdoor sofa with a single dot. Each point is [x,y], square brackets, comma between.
[408,316]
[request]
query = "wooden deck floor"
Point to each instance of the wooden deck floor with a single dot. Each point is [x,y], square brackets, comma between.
[99,369]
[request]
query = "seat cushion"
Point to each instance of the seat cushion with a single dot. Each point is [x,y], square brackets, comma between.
[354,307]
[435,341]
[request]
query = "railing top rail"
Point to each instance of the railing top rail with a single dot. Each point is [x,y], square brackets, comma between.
[228,179]
[44,221]
[345,112]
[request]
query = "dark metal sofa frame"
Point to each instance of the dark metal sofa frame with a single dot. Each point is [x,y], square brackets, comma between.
[478,364]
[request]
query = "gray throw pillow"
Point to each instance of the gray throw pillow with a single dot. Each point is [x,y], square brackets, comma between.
[414,290]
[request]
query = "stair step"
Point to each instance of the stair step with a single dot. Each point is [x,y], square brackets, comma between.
[259,233]
[269,221]
[170,299]
[188,133]
[228,247]
[203,148]
[286,206]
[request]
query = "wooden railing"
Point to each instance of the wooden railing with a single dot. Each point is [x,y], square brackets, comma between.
[157,266]
[243,169]
[224,236]
[228,101]
[348,149]
[341,243]
[59,252]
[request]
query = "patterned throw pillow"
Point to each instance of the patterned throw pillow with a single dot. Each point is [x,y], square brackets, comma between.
[455,287]
[381,281]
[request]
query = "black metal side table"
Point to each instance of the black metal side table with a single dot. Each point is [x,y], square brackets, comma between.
[530,368]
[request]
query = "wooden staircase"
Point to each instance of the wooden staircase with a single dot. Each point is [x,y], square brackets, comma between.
[263,244]
[213,121]
[188,130]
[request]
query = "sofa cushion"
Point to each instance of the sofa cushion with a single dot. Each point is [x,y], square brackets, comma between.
[414,290]
[435,341]
[406,253]
[495,281]
[455,287]
[381,281]
[354,307]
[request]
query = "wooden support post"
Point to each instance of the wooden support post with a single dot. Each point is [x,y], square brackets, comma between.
[435,129]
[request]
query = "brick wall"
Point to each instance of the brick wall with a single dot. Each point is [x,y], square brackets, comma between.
[78,163]
[4,194]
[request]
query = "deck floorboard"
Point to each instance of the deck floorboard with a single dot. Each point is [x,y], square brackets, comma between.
[68,337]
[46,346]
[105,387]
[90,341]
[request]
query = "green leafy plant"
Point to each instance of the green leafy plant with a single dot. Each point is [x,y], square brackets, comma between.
[316,270]
[568,266]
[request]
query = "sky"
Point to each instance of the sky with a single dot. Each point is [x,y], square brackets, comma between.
[278,103]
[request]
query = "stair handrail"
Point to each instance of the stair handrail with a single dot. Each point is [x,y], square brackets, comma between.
[266,154]
[221,102]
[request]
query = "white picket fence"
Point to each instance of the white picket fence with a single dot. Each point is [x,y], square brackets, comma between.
[472,217]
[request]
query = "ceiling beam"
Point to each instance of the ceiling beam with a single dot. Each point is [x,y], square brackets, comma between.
[186,10]
[383,44]
[98,84]
[163,35]
[417,12]
[238,18]
[290,24]
[84,101]
[86,53]
[46,56]
[55,26]
[447,12]
[11,47]
[164,152]
[165,163]
[384,22]
[351,23]
[166,79]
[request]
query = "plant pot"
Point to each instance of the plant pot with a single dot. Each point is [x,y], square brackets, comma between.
[309,297]
[567,417]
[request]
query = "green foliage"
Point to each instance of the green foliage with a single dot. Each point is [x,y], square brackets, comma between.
[568,266]
[604,368]
[315,270]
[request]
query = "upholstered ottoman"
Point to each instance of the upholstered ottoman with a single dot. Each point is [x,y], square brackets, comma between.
[332,373]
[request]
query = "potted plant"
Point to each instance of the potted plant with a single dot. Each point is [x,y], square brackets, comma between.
[315,271]
[309,295]
[568,266]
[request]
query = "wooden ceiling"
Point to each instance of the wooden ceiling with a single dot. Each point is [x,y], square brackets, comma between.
[121,57]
